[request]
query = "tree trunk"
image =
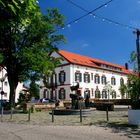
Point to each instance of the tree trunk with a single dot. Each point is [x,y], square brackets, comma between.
[12,94]
[13,82]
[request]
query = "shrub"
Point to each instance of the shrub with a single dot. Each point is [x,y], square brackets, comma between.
[103,106]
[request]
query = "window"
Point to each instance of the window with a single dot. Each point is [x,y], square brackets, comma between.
[86,78]
[78,77]
[62,77]
[104,94]
[5,83]
[121,81]
[103,80]
[62,93]
[97,79]
[97,93]
[113,81]
[113,94]
[5,94]
[86,93]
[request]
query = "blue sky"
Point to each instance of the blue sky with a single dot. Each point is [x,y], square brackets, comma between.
[97,38]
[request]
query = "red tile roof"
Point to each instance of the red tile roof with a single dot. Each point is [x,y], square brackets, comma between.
[90,62]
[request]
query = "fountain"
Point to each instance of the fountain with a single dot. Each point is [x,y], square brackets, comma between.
[76,104]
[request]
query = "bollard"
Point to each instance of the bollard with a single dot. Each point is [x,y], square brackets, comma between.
[80,115]
[52,115]
[107,114]
[29,114]
[2,113]
[11,115]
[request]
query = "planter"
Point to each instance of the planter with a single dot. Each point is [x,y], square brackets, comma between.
[134,117]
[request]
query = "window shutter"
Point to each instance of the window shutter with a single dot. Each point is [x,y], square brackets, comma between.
[111,81]
[95,79]
[75,76]
[105,80]
[60,77]
[88,78]
[64,76]
[84,78]
[98,79]
[80,77]
[114,81]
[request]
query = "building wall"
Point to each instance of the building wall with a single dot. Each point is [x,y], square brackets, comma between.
[5,86]
[70,70]
[92,85]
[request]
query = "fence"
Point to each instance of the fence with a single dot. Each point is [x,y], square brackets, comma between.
[47,117]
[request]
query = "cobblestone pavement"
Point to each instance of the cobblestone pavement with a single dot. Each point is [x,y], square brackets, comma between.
[10,131]
[68,127]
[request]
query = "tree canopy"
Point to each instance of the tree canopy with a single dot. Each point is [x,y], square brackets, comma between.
[27,40]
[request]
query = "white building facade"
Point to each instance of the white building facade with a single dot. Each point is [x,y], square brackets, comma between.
[92,75]
[4,86]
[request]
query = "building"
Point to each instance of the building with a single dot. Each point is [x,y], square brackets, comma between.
[97,78]
[4,86]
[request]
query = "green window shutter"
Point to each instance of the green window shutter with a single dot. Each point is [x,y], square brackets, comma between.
[75,76]
[64,76]
[88,78]
[98,79]
[84,78]
[60,77]
[80,77]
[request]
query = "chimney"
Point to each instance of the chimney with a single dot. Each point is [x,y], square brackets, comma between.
[126,66]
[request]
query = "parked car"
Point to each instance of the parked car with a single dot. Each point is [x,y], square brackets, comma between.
[47,100]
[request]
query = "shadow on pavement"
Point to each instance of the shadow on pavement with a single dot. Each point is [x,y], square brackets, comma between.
[128,130]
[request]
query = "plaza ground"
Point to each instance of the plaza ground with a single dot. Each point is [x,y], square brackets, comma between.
[93,126]
[10,131]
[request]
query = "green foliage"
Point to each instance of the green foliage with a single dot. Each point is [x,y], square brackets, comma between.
[134,89]
[27,40]
[123,89]
[24,98]
[134,84]
[34,90]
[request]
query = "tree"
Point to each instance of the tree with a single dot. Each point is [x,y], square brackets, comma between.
[27,40]
[34,90]
[123,89]
[134,82]
[134,89]
[109,89]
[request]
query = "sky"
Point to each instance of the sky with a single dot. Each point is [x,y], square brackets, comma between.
[95,37]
